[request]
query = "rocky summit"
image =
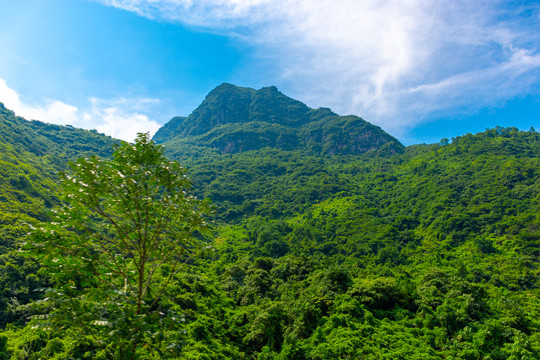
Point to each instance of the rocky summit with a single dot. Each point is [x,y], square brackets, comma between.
[235,119]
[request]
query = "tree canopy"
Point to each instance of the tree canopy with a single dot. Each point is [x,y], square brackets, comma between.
[126,228]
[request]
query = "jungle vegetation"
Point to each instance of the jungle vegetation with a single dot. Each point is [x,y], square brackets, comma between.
[428,251]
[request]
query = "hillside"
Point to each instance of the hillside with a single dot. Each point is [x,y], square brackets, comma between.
[64,143]
[430,252]
[234,119]
[31,155]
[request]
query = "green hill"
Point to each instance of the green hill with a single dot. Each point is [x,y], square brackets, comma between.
[31,155]
[234,119]
[323,247]
[432,253]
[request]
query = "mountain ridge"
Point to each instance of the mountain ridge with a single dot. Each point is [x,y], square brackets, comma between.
[40,138]
[234,119]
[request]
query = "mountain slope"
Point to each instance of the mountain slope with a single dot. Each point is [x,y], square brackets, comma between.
[234,119]
[432,253]
[31,155]
[41,139]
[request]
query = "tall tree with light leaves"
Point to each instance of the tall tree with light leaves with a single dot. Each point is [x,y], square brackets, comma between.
[129,224]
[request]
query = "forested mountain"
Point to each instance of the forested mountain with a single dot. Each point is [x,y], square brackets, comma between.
[233,119]
[418,252]
[432,253]
[31,155]
[62,143]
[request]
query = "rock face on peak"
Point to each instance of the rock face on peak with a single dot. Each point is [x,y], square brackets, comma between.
[233,119]
[170,129]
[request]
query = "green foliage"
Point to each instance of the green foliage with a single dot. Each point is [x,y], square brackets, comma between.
[427,243]
[427,254]
[31,153]
[127,228]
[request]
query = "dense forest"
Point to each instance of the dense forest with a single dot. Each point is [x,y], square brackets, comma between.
[318,246]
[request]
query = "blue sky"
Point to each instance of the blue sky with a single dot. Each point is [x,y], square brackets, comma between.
[422,70]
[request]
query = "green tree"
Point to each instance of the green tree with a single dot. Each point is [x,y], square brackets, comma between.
[128,225]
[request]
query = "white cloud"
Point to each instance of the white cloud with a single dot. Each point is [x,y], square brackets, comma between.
[53,112]
[119,118]
[396,62]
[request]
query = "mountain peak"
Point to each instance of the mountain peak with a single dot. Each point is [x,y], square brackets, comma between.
[271,89]
[227,88]
[234,119]
[229,103]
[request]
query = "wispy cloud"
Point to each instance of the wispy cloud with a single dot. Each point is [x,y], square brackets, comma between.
[119,118]
[397,62]
[208,13]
